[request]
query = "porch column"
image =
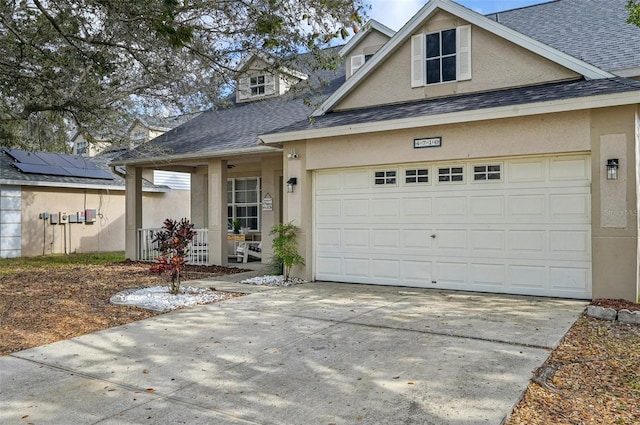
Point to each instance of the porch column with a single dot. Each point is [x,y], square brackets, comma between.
[199,200]
[217,211]
[133,211]
[298,206]
[271,172]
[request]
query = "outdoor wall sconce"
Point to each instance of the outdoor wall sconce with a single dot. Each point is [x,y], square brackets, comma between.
[290,183]
[612,169]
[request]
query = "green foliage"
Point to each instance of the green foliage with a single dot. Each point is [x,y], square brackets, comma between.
[633,6]
[173,241]
[87,64]
[285,247]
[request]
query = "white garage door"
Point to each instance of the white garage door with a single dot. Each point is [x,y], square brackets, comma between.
[519,226]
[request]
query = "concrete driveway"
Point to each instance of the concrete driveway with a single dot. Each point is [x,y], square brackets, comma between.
[319,353]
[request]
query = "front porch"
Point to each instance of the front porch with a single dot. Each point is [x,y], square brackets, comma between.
[241,248]
[244,189]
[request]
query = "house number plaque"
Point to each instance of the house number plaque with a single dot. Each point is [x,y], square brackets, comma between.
[427,142]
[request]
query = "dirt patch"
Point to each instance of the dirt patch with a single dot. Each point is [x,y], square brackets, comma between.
[593,377]
[616,304]
[41,305]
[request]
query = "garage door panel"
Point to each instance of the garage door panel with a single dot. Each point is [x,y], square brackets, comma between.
[418,272]
[568,278]
[385,238]
[570,244]
[488,241]
[451,272]
[329,238]
[529,233]
[488,274]
[357,179]
[356,267]
[386,208]
[416,207]
[483,206]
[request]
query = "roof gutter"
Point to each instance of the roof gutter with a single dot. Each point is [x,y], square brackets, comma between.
[10,182]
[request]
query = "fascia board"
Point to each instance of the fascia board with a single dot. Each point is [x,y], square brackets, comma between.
[587,70]
[157,160]
[158,189]
[513,111]
[370,25]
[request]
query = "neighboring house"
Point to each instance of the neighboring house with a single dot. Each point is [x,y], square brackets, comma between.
[485,153]
[141,130]
[39,191]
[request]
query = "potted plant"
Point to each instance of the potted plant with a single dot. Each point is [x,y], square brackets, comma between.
[236,224]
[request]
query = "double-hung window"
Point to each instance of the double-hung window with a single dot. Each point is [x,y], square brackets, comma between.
[257,85]
[441,56]
[243,201]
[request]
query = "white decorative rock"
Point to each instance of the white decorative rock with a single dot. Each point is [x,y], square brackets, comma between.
[629,317]
[601,312]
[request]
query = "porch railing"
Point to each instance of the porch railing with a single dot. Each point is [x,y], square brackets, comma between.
[197,253]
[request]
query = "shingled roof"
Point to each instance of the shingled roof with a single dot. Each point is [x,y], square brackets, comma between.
[11,175]
[469,102]
[601,37]
[236,128]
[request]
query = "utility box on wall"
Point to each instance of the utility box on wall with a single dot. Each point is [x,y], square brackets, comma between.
[64,217]
[90,216]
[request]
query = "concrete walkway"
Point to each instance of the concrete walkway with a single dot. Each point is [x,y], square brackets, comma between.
[319,353]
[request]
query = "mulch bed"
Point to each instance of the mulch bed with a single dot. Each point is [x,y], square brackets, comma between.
[43,305]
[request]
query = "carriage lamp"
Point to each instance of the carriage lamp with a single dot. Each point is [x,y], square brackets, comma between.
[612,168]
[290,183]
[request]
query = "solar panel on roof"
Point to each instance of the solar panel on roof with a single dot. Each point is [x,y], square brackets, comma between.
[25,157]
[56,164]
[52,170]
[91,173]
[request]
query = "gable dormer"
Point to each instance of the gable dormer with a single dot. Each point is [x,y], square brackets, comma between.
[258,79]
[364,45]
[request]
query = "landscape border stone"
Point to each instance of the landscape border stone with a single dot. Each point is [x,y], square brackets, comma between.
[624,316]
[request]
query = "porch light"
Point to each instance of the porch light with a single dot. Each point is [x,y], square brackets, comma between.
[290,183]
[612,169]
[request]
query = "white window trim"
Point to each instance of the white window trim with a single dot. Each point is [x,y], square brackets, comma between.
[385,184]
[417,183]
[233,203]
[463,57]
[357,61]
[436,175]
[243,91]
[472,172]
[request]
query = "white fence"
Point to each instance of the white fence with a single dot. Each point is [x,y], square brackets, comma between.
[197,253]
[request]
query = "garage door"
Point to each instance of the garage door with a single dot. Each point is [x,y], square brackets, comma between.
[519,226]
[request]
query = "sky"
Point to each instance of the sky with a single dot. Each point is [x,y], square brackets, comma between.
[395,13]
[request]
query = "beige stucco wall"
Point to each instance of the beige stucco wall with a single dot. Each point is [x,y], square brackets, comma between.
[535,135]
[614,134]
[496,64]
[107,233]
[371,43]
[614,250]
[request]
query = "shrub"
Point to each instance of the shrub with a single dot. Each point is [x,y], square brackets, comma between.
[173,241]
[285,248]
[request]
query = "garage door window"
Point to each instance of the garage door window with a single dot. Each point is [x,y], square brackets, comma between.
[491,172]
[385,177]
[450,174]
[420,175]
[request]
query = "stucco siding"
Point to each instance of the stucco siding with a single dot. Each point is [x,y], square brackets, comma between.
[536,135]
[496,63]
[107,233]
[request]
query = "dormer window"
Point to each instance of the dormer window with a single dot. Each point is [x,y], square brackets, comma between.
[82,148]
[257,85]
